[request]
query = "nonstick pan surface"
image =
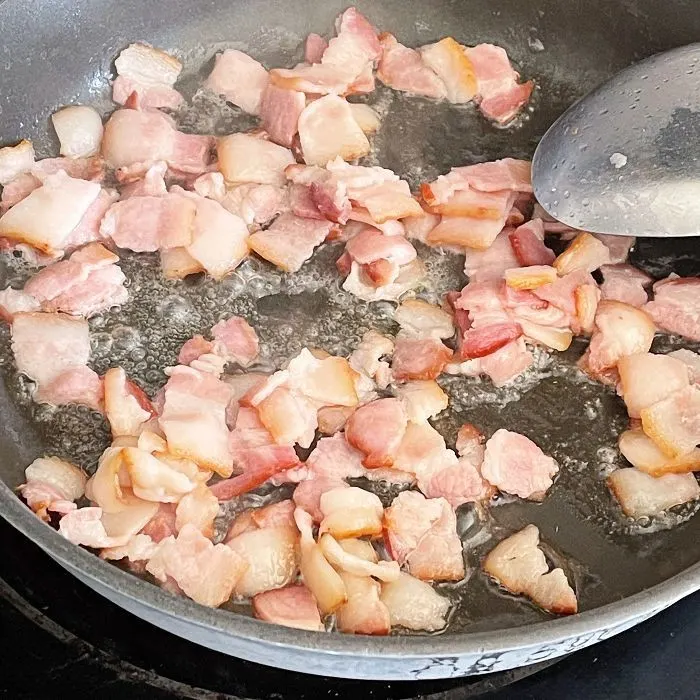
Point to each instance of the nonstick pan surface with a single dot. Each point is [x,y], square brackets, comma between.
[62,52]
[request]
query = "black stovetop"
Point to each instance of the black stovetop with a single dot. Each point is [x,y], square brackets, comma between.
[59,639]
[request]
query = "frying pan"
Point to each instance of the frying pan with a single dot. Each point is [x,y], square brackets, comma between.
[61,51]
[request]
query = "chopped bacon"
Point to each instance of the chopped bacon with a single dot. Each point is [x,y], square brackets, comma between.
[292,606]
[240,79]
[319,576]
[530,277]
[515,464]
[418,227]
[289,417]
[87,283]
[499,94]
[124,408]
[422,534]
[646,379]
[347,561]
[279,111]
[350,512]
[259,464]
[162,524]
[271,556]
[88,230]
[177,263]
[46,345]
[692,362]
[356,44]
[422,399]
[79,385]
[256,204]
[314,47]
[84,526]
[619,246]
[327,130]
[148,72]
[371,245]
[193,419]
[625,283]
[473,204]
[524,305]
[676,306]
[15,161]
[236,340]
[561,293]
[198,507]
[520,566]
[586,297]
[205,572]
[620,329]
[376,430]
[673,423]
[448,59]
[585,252]
[467,231]
[315,79]
[367,119]
[419,358]
[641,494]
[290,241]
[13,301]
[250,158]
[79,130]
[490,264]
[364,612]
[644,454]
[136,140]
[366,358]
[46,217]
[52,485]
[403,69]
[528,244]
[414,604]
[153,479]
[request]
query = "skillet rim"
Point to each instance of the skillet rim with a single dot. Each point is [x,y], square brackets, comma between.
[606,617]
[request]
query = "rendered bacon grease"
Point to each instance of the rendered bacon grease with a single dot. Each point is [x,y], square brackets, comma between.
[331,555]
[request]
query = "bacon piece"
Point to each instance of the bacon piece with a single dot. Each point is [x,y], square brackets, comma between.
[329,381]
[356,44]
[13,301]
[86,284]
[150,73]
[162,524]
[83,526]
[366,358]
[46,345]
[586,297]
[240,79]
[345,561]
[292,606]
[205,572]
[319,576]
[490,264]
[290,241]
[422,534]
[448,59]
[153,479]
[364,612]
[350,512]
[126,410]
[327,130]
[15,161]
[279,111]
[79,385]
[136,140]
[585,252]
[256,204]
[259,464]
[236,340]
[198,507]
[528,244]
[473,204]
[625,283]
[335,459]
[676,306]
[367,119]
[530,277]
[562,292]
[641,494]
[646,379]
[314,47]
[519,565]
[673,423]
[619,246]
[620,330]
[403,69]
[272,559]
[193,419]
[52,485]
[177,263]
[316,79]
[290,418]
[414,604]
[523,305]
[644,454]
[467,231]
[418,227]
[407,278]
[79,130]
[499,94]
[45,218]
[376,430]
[515,464]
[151,223]
[419,358]
[422,399]
[249,158]
[692,362]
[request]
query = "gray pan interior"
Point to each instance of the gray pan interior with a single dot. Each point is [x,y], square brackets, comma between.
[60,52]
